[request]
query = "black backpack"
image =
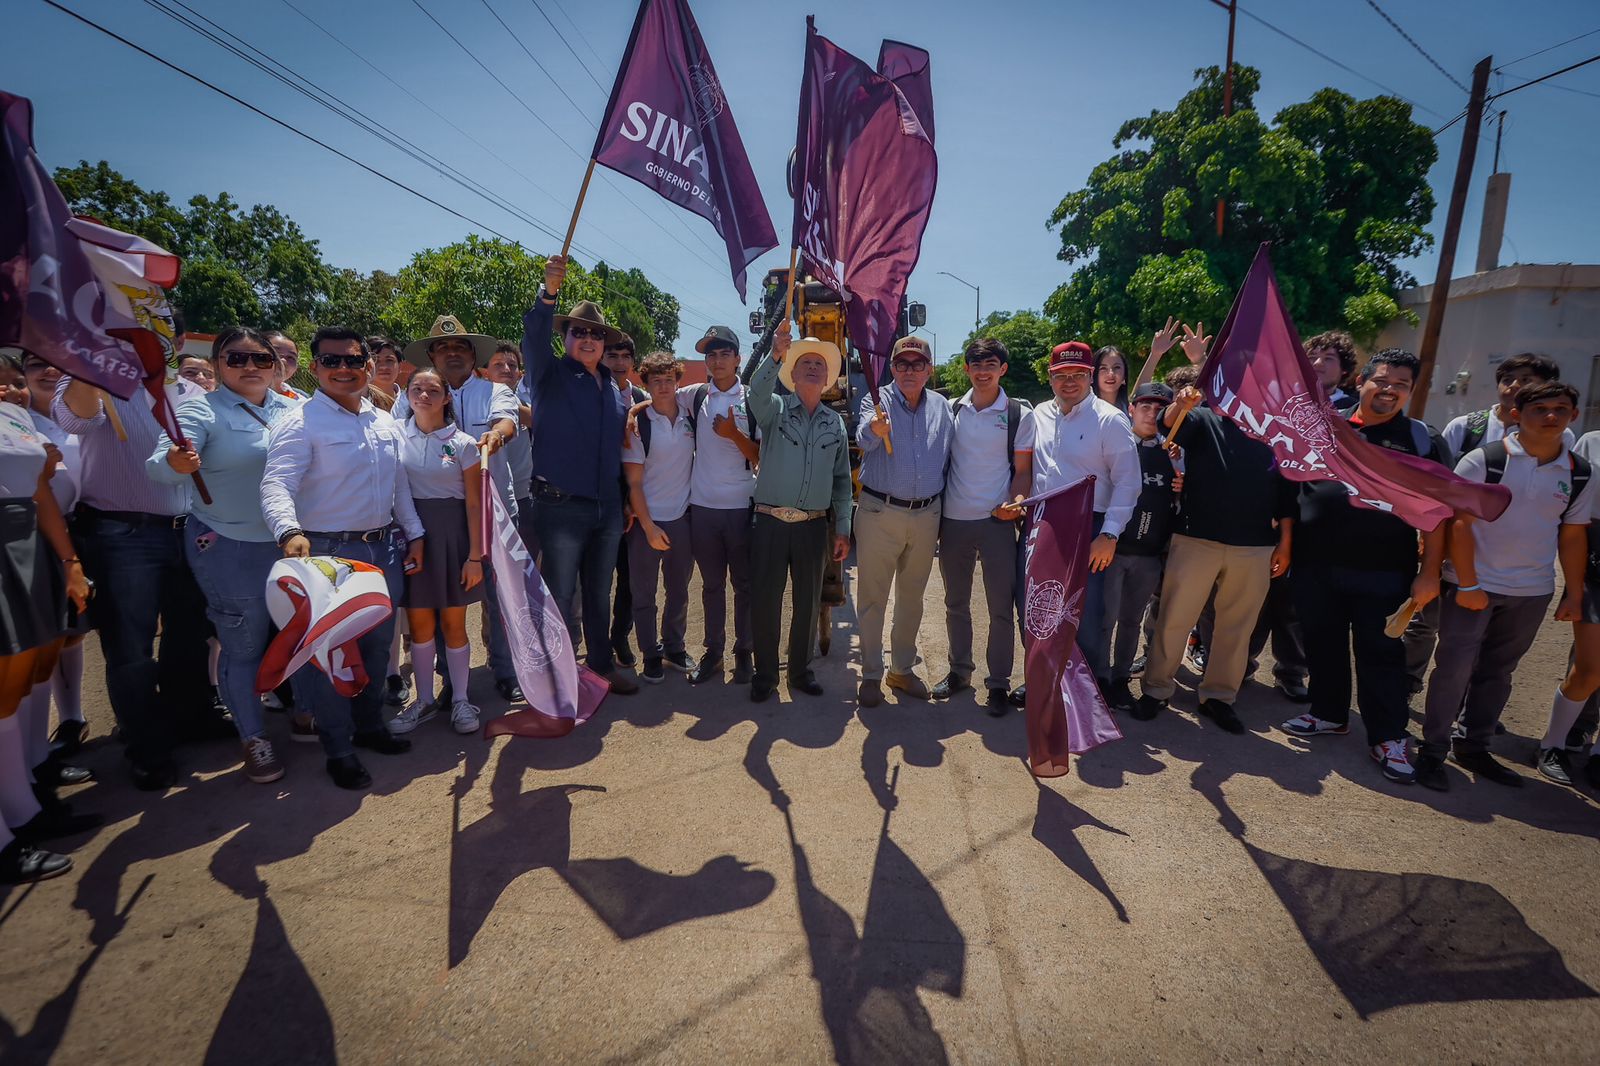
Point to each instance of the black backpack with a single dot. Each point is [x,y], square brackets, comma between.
[1494,461]
[1477,428]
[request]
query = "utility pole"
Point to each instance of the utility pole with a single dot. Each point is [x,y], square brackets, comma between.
[1429,348]
[1227,82]
[977,298]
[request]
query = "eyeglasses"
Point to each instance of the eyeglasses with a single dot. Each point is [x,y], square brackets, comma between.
[583,333]
[333,361]
[910,364]
[260,360]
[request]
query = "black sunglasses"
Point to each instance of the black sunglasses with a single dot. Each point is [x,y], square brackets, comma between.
[260,360]
[579,333]
[332,361]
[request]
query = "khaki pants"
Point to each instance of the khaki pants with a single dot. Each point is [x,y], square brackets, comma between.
[894,546]
[1194,567]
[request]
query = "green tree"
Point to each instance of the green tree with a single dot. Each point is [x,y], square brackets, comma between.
[1338,185]
[1028,337]
[359,300]
[104,194]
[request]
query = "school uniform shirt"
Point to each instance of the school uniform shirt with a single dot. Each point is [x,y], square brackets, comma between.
[1516,553]
[331,470]
[519,452]
[1093,438]
[64,483]
[479,403]
[723,478]
[437,463]
[1149,529]
[230,433]
[668,466]
[22,455]
[1455,431]
[979,478]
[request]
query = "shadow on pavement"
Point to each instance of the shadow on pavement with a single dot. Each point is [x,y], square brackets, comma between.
[1056,824]
[275,1014]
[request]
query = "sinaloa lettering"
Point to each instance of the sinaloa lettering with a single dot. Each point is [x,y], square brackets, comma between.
[665,135]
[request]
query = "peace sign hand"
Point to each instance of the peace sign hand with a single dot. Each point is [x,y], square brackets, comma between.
[1195,343]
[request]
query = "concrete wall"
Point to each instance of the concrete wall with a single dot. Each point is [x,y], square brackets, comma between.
[1553,310]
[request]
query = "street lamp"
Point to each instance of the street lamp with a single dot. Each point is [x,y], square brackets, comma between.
[977,300]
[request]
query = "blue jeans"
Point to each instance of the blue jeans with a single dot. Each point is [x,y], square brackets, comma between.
[339,719]
[141,583]
[233,576]
[580,538]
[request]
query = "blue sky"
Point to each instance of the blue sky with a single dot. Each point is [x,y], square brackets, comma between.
[1027,96]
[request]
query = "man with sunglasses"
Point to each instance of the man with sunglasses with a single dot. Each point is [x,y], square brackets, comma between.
[335,485]
[578,419]
[489,412]
[130,530]
[897,520]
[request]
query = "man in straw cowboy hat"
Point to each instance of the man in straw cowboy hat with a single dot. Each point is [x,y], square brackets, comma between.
[805,469]
[578,418]
[489,412]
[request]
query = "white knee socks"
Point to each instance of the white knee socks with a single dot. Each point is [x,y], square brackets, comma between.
[34,715]
[1563,712]
[459,662]
[422,670]
[66,684]
[17,802]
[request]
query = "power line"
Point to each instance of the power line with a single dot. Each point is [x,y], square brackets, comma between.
[574,51]
[297,131]
[1341,65]
[1412,41]
[575,29]
[1547,77]
[1550,48]
[534,59]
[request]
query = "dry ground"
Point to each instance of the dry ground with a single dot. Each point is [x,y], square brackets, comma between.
[693,878]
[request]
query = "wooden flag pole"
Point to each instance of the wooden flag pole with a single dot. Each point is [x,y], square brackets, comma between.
[485,512]
[112,416]
[788,302]
[1167,440]
[583,190]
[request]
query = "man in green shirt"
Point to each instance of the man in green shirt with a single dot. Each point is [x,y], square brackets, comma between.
[805,469]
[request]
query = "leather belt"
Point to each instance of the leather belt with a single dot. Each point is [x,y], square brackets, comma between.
[134,518]
[789,514]
[366,536]
[895,501]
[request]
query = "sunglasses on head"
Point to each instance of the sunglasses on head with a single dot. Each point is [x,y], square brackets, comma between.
[580,333]
[333,361]
[260,360]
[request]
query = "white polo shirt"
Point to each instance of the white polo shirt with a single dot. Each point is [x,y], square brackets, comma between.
[668,468]
[1516,553]
[979,478]
[722,477]
[1095,438]
[479,403]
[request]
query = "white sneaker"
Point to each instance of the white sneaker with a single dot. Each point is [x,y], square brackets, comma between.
[414,715]
[464,717]
[1308,725]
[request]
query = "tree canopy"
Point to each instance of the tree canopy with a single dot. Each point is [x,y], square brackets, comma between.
[1338,185]
[257,267]
[1028,337]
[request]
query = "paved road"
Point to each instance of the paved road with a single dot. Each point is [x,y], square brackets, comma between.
[692,878]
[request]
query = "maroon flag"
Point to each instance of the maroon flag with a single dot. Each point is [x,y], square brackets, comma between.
[865,172]
[52,303]
[669,126]
[561,693]
[1257,374]
[1066,712]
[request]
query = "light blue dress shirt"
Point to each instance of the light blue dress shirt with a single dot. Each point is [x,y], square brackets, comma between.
[921,440]
[230,433]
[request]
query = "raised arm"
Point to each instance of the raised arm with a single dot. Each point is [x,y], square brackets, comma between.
[537,355]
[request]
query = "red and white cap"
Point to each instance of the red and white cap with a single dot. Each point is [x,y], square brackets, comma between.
[1072,355]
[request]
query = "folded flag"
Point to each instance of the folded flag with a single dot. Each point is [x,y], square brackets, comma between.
[322,605]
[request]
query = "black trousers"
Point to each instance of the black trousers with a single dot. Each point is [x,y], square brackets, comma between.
[622,603]
[1340,609]
[796,552]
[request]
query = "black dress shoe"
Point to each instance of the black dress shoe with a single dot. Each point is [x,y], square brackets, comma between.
[347,772]
[1136,669]
[57,773]
[1484,765]
[52,824]
[952,683]
[21,864]
[1119,695]
[153,777]
[381,741]
[1430,773]
[1019,696]
[509,691]
[708,669]
[807,684]
[760,691]
[744,668]
[1147,707]
[623,655]
[1293,691]
[68,737]
[1223,714]
[997,704]
[1591,771]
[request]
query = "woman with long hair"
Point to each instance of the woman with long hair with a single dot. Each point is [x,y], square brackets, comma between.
[229,546]
[441,464]
[1111,377]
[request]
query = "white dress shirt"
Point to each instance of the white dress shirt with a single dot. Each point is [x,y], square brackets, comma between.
[979,478]
[722,477]
[1094,438]
[332,470]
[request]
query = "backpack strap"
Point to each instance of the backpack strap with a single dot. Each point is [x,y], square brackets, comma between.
[1581,472]
[1494,462]
[697,403]
[1013,417]
[1421,439]
[644,431]
[1477,429]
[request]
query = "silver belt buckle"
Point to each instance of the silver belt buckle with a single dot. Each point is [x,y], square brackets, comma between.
[790,514]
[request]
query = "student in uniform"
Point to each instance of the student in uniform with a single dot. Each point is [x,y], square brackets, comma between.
[621,360]
[1583,677]
[658,463]
[441,464]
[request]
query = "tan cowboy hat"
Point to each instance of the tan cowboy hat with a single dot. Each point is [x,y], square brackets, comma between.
[588,313]
[449,326]
[810,346]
